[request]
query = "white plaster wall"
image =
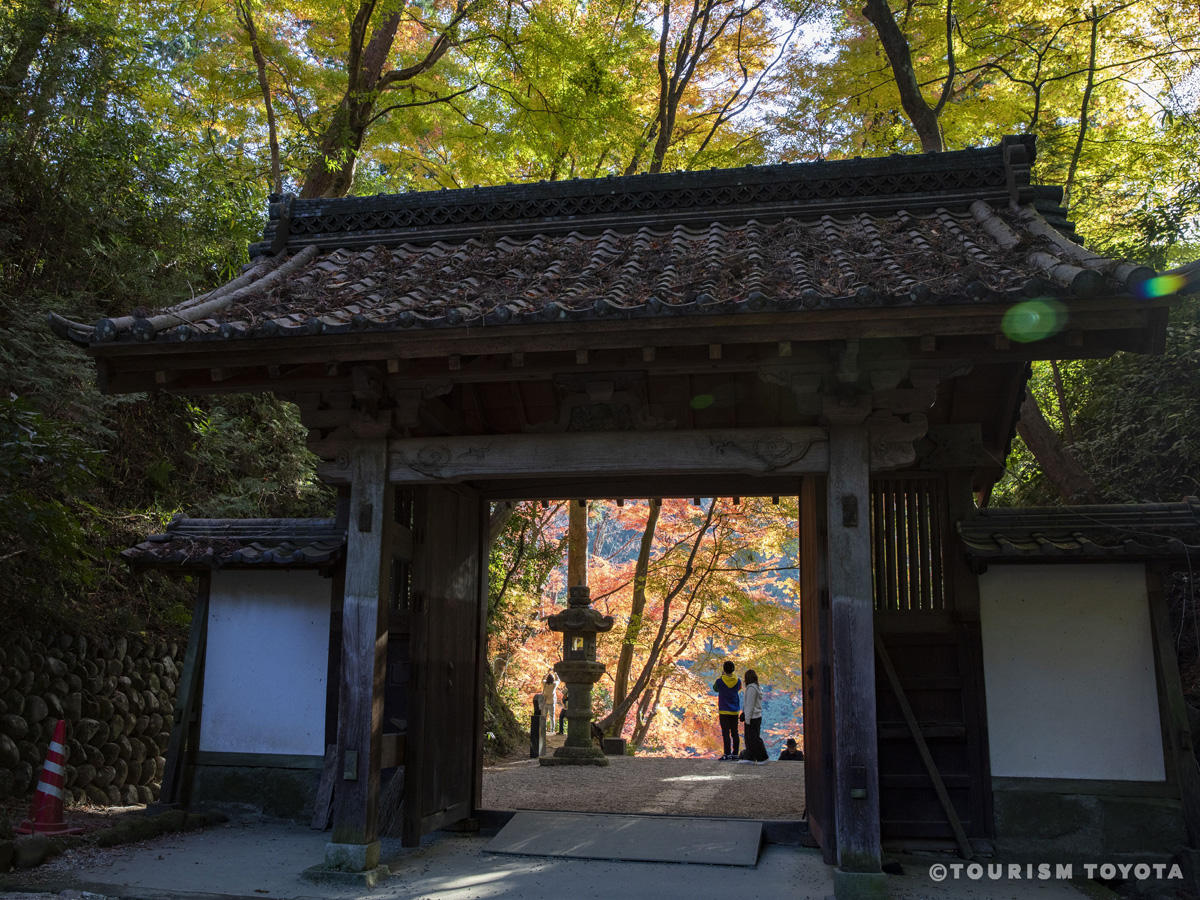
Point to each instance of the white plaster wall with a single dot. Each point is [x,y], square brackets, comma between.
[265,664]
[1069,672]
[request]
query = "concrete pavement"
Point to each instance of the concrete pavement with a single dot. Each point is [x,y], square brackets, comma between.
[263,859]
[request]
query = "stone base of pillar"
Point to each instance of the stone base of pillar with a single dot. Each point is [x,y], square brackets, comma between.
[349,865]
[359,880]
[575,756]
[859,885]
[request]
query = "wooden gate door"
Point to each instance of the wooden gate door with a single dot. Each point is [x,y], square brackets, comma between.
[444,745]
[815,643]
[927,618]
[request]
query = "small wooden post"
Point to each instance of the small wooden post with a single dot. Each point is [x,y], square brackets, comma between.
[364,645]
[856,784]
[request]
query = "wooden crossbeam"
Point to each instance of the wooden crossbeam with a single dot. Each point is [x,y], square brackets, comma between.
[443,460]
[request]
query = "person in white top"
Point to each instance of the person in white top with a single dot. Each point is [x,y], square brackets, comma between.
[550,700]
[756,750]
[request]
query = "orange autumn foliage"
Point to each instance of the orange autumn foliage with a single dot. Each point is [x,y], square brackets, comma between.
[738,600]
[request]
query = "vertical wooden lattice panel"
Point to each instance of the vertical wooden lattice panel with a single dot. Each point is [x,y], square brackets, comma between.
[908,522]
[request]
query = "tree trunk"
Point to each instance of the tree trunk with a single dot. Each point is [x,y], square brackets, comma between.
[664,119]
[895,45]
[647,710]
[331,171]
[1064,411]
[33,30]
[633,629]
[499,520]
[1083,110]
[1059,464]
[264,85]
[621,709]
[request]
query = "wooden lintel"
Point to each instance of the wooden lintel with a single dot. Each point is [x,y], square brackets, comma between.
[759,451]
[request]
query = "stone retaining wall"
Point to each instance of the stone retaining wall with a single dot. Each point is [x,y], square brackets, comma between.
[117,696]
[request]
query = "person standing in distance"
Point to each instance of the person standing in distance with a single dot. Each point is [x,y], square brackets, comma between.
[756,750]
[792,752]
[729,704]
[550,700]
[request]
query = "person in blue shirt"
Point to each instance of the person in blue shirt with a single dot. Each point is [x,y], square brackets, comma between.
[729,704]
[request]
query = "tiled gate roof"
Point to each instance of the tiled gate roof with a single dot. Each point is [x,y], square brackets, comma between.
[933,230]
[1131,531]
[204,543]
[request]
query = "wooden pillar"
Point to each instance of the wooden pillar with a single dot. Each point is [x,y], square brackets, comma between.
[856,783]
[1177,733]
[577,544]
[185,728]
[819,765]
[364,648]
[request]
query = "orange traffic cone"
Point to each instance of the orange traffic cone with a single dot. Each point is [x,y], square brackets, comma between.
[46,816]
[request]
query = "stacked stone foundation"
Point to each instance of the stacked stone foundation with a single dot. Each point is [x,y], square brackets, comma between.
[117,696]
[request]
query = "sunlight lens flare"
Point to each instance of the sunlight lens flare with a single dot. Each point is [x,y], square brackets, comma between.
[1034,320]
[1163,285]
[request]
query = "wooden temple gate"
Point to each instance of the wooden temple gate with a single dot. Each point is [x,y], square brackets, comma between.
[855,332]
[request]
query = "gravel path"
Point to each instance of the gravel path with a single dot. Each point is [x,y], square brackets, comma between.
[684,787]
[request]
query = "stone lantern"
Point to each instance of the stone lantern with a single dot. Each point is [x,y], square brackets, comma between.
[578,670]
